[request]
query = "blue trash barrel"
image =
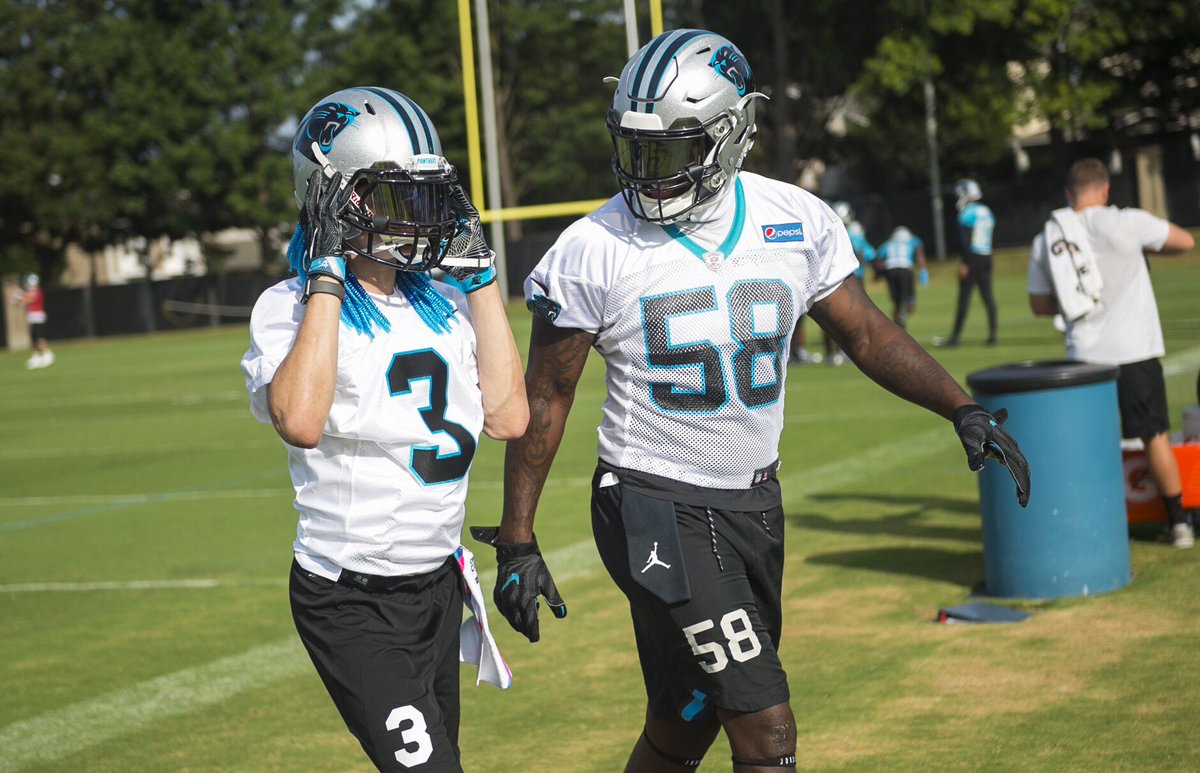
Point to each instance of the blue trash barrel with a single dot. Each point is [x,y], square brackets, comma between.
[1072,539]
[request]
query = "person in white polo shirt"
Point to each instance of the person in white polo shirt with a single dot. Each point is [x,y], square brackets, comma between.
[1116,323]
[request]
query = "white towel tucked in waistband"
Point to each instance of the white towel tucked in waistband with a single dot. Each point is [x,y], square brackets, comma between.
[476,644]
[1073,268]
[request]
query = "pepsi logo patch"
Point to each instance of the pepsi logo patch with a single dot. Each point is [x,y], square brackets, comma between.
[783,232]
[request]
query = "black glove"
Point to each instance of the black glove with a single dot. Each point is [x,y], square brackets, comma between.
[469,263]
[323,252]
[982,435]
[521,576]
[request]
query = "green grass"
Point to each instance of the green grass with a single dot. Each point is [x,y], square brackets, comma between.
[135,460]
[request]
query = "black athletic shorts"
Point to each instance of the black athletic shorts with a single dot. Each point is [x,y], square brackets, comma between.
[703,583]
[900,285]
[1142,398]
[389,659]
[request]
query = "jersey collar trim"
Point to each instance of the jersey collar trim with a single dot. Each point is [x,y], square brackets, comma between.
[731,239]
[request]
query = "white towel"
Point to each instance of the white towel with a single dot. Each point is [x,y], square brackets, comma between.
[476,644]
[1073,268]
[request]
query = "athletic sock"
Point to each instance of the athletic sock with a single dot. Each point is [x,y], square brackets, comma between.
[1175,509]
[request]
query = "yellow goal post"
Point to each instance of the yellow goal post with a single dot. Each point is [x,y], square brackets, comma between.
[488,212]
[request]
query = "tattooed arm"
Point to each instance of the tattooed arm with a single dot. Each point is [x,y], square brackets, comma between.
[885,352]
[556,360]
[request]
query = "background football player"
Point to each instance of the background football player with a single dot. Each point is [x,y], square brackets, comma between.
[688,284]
[379,382]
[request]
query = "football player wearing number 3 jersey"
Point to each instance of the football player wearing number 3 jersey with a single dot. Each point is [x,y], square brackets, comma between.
[688,284]
[379,381]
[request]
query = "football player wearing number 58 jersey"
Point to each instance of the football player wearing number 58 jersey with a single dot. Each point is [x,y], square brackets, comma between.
[379,381]
[688,284]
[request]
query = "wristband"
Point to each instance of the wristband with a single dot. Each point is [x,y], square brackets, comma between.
[472,282]
[313,286]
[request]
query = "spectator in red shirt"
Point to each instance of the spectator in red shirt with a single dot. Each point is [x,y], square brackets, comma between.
[35,314]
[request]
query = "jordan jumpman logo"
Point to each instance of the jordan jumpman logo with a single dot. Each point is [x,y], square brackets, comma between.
[653,560]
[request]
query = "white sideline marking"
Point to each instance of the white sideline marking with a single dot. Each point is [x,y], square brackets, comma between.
[198,584]
[66,731]
[166,448]
[141,499]
[1185,361]
[79,726]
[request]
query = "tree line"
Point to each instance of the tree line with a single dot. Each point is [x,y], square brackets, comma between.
[122,118]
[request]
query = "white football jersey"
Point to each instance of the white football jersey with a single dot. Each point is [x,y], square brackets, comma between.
[384,491]
[1124,328]
[694,322]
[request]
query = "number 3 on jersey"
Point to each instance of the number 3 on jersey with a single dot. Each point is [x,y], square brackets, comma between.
[760,320]
[427,461]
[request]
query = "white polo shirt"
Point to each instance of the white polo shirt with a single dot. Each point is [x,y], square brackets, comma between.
[1124,327]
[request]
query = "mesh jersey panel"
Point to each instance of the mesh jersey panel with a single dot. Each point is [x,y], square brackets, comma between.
[695,356]
[696,364]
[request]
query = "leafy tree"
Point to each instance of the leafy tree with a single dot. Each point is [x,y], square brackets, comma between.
[174,131]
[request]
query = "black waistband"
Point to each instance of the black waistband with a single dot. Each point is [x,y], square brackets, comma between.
[375,582]
[763,494]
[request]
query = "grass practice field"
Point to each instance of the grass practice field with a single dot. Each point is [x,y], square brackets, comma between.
[145,538]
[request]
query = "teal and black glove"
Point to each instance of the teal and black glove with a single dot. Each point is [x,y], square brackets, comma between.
[521,576]
[469,264]
[323,250]
[982,436]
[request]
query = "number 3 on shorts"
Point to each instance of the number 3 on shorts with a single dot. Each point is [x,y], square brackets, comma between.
[743,641]
[411,735]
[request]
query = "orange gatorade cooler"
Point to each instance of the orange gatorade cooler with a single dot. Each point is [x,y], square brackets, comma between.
[1143,502]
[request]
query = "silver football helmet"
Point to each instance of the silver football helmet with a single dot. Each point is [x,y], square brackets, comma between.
[682,122]
[967,191]
[383,145]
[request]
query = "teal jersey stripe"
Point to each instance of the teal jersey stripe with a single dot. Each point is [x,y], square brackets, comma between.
[731,239]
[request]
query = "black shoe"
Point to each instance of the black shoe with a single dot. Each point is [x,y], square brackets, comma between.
[992,341]
[950,342]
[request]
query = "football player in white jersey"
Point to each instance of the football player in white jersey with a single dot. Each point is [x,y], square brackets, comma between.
[379,381]
[688,284]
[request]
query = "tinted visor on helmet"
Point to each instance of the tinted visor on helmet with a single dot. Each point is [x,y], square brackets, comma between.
[658,166]
[405,213]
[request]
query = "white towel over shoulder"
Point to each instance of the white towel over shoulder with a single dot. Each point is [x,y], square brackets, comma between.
[476,644]
[1072,263]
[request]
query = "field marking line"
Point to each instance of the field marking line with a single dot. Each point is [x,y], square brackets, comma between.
[125,450]
[139,499]
[1185,361]
[119,585]
[94,400]
[79,726]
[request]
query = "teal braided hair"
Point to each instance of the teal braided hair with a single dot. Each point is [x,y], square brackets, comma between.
[359,312]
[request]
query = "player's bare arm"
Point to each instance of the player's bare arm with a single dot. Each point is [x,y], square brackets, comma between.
[888,355]
[1178,240]
[556,360]
[301,393]
[505,407]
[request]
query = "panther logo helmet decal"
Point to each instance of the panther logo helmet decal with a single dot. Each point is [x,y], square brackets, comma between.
[322,125]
